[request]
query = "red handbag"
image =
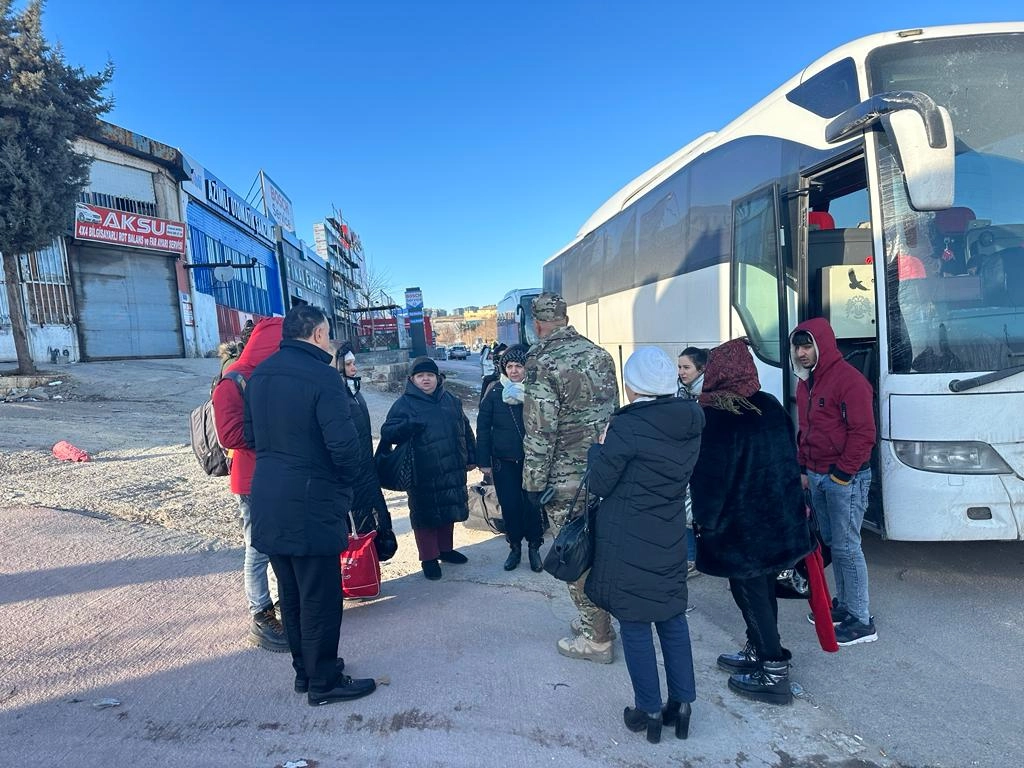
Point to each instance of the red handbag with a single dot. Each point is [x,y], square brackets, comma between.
[360,568]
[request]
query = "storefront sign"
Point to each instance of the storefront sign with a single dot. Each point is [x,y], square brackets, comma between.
[131,230]
[219,194]
[276,204]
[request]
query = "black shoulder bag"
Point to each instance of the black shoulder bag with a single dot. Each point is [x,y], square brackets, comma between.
[572,551]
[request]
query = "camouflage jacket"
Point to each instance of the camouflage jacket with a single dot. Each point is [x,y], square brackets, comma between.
[571,391]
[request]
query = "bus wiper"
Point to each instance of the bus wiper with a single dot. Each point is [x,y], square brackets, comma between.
[961,385]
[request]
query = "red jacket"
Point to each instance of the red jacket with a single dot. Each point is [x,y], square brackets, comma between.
[229,405]
[835,403]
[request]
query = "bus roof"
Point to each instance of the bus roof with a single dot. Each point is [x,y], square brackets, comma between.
[774,115]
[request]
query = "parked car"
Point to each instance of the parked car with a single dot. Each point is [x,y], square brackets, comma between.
[441,353]
[458,352]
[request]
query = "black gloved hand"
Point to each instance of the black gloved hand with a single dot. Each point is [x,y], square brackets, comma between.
[533,499]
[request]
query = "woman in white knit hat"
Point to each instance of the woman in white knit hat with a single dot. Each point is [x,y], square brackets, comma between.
[640,470]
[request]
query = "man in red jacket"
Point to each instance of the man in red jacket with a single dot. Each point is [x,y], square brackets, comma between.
[837,433]
[266,630]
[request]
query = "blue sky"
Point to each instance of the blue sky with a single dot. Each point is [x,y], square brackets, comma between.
[465,142]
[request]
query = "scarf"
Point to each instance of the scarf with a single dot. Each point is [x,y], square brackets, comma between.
[691,391]
[512,391]
[730,377]
[353,384]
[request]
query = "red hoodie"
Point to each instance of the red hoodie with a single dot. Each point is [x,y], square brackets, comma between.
[837,420]
[229,405]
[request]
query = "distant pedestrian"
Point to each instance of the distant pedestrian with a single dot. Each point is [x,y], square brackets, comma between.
[749,513]
[571,392]
[265,629]
[307,455]
[491,377]
[837,432]
[499,450]
[640,468]
[444,450]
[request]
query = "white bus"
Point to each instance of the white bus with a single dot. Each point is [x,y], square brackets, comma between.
[515,317]
[882,188]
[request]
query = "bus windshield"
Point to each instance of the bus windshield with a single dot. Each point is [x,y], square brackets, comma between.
[955,278]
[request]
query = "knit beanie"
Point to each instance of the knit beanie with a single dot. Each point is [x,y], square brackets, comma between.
[514,354]
[650,371]
[424,365]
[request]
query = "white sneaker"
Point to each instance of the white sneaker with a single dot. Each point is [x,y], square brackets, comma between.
[581,647]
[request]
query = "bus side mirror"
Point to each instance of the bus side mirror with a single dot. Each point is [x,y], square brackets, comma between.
[921,133]
[929,171]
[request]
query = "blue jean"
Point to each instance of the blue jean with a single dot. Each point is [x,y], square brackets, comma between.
[642,663]
[259,579]
[839,510]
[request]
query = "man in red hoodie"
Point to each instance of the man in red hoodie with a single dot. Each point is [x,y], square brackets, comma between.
[837,433]
[266,630]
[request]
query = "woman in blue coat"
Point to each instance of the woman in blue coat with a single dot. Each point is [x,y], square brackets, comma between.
[640,469]
[444,451]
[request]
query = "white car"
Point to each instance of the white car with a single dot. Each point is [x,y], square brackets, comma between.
[458,352]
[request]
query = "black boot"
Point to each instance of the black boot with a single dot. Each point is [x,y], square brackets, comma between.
[638,721]
[769,683]
[514,556]
[678,714]
[267,632]
[536,564]
[740,663]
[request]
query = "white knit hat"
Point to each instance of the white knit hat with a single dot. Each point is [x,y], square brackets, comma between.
[649,371]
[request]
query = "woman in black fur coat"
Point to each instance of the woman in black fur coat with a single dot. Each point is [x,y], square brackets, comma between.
[748,511]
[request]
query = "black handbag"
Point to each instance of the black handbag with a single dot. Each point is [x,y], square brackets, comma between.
[395,466]
[572,551]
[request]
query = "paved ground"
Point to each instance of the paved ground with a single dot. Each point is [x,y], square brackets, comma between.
[101,602]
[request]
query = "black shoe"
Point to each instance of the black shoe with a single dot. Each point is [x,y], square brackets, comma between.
[453,556]
[854,632]
[739,663]
[769,684]
[267,632]
[302,682]
[345,689]
[514,556]
[536,564]
[638,721]
[678,714]
[431,569]
[839,615]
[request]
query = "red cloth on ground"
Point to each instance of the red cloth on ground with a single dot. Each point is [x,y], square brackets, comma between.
[65,451]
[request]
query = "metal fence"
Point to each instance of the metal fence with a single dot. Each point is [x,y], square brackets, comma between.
[45,286]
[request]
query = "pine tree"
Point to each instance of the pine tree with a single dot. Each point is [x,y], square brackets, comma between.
[44,104]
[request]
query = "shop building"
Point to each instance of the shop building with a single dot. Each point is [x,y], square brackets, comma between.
[341,249]
[306,280]
[224,229]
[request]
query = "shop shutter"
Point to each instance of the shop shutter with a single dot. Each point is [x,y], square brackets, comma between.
[127,304]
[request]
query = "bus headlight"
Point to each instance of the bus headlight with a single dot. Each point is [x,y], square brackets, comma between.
[968,458]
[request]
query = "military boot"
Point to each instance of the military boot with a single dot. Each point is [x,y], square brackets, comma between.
[582,647]
[769,683]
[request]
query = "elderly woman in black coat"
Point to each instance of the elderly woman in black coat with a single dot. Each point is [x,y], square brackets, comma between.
[444,451]
[499,451]
[748,511]
[640,469]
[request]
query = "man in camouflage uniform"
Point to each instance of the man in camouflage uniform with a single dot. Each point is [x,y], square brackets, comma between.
[571,392]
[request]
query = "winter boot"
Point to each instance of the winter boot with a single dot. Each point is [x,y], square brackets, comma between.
[582,647]
[431,569]
[769,683]
[514,556]
[267,632]
[638,721]
[740,663]
[536,564]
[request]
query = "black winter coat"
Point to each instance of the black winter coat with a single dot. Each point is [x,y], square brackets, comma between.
[641,471]
[443,447]
[367,498]
[499,429]
[307,453]
[748,507]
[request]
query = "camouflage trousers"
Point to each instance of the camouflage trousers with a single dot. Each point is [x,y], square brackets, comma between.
[596,623]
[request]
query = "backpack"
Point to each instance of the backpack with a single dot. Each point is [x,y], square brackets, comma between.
[203,430]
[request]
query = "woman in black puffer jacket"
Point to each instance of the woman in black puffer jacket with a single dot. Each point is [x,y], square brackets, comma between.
[444,450]
[640,469]
[499,451]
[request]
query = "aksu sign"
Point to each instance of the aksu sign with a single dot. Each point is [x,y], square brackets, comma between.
[131,230]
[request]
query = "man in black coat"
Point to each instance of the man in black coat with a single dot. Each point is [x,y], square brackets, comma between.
[307,454]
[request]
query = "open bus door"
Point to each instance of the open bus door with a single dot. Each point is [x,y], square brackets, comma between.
[836,278]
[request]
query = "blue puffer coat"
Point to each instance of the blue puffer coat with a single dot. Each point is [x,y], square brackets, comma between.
[443,448]
[641,472]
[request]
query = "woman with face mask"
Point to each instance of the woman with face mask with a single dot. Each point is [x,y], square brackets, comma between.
[499,434]
[444,450]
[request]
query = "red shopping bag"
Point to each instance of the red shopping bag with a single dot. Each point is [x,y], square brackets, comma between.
[360,568]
